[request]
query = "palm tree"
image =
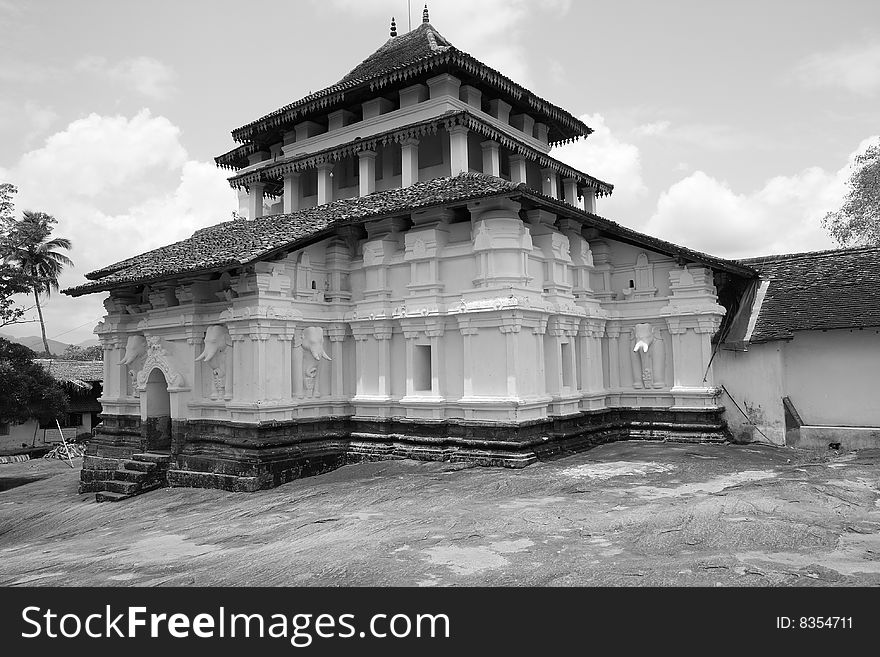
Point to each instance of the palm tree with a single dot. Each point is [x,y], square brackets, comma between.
[36,254]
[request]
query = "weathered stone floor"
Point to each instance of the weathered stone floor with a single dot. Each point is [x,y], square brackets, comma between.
[621,514]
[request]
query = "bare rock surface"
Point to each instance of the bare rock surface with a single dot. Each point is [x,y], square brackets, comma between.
[629,513]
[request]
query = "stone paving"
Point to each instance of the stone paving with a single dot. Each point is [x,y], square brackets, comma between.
[624,514]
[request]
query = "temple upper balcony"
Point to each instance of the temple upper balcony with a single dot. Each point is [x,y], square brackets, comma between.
[416,109]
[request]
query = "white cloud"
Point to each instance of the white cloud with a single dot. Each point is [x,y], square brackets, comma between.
[146,75]
[852,67]
[100,154]
[82,173]
[783,216]
[605,156]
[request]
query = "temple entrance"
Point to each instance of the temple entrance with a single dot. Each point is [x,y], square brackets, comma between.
[157,427]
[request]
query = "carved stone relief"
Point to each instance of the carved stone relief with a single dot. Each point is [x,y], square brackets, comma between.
[133,358]
[158,357]
[218,345]
[312,354]
[648,357]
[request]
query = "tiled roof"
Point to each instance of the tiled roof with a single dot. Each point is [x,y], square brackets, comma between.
[422,42]
[401,58]
[236,243]
[79,373]
[818,291]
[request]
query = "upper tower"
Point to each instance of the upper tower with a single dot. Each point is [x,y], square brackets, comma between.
[416,109]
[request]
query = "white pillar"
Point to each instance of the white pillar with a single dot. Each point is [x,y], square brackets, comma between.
[243,200]
[296,372]
[255,200]
[409,167]
[570,186]
[549,185]
[500,110]
[291,192]
[542,133]
[458,149]
[589,199]
[336,333]
[367,172]
[467,333]
[472,96]
[383,343]
[517,169]
[325,183]
[491,158]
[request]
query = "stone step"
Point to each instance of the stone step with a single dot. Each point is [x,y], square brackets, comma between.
[152,457]
[108,496]
[140,466]
[136,476]
[124,487]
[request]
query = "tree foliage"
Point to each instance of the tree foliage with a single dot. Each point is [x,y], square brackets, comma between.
[857,222]
[26,389]
[12,279]
[75,352]
[29,245]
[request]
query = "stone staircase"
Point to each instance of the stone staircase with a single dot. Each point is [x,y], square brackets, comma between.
[139,474]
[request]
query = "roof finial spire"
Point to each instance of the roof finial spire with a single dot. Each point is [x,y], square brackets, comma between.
[393,27]
[425,15]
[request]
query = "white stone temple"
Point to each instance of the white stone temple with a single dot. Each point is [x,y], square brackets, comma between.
[412,275]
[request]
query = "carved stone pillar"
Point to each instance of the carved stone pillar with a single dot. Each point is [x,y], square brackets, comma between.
[382,332]
[468,331]
[292,192]
[325,183]
[367,172]
[255,200]
[409,163]
[612,333]
[491,157]
[336,333]
[510,329]
[297,363]
[458,149]
[517,169]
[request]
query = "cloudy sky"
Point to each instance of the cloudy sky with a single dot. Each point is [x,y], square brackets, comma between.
[725,126]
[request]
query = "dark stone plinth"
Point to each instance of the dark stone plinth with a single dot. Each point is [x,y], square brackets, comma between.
[238,456]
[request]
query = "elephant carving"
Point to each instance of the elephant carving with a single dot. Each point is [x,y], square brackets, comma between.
[135,348]
[313,354]
[217,344]
[648,358]
[135,352]
[313,341]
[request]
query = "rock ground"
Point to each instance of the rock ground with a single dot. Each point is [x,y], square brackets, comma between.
[624,514]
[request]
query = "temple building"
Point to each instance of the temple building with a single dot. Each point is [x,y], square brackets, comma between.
[412,275]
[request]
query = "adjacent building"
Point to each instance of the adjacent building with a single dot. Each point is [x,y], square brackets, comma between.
[799,361]
[82,381]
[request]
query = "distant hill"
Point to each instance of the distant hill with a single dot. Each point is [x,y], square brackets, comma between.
[35,342]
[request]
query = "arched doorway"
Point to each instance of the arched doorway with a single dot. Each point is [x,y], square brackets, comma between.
[157,428]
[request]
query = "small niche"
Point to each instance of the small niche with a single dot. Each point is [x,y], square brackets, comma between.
[566,365]
[422,368]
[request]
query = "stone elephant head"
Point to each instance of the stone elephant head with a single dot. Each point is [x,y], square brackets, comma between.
[643,334]
[135,348]
[313,341]
[216,342]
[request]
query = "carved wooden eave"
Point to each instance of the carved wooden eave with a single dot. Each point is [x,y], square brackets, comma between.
[271,172]
[451,57]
